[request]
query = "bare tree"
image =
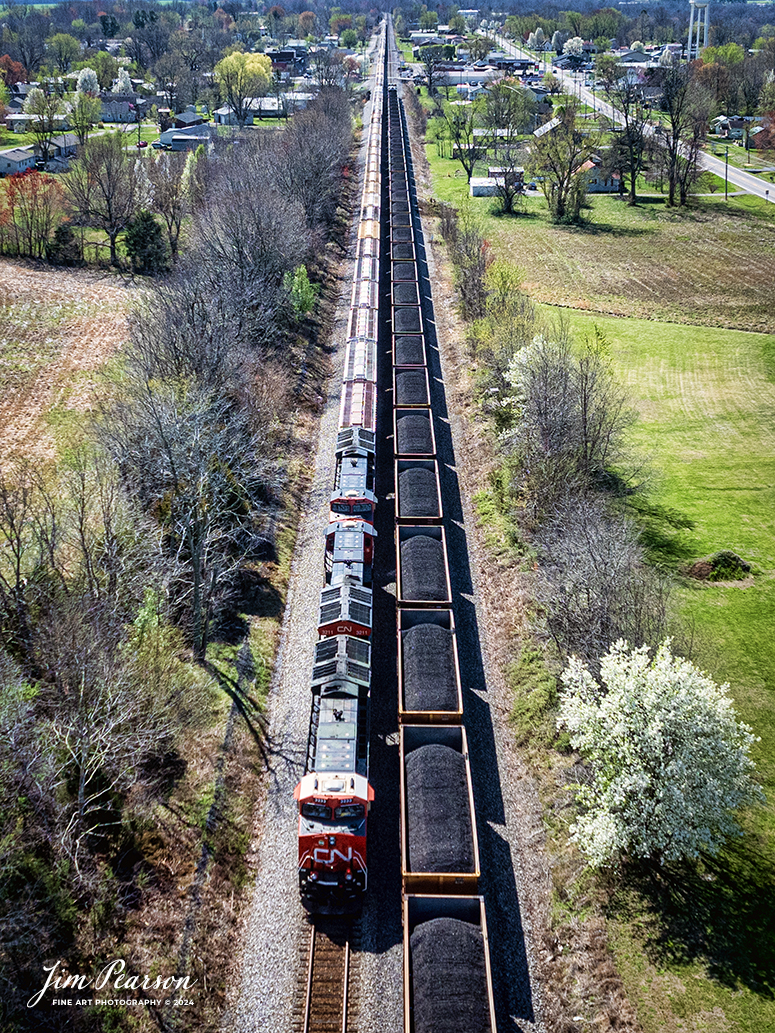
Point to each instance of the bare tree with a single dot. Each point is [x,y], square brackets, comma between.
[46,110]
[84,114]
[34,205]
[628,151]
[431,62]
[572,415]
[247,236]
[312,152]
[192,460]
[328,67]
[106,188]
[170,196]
[558,154]
[508,113]
[594,584]
[687,113]
[469,144]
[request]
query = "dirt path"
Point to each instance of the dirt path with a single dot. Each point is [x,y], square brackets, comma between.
[57,326]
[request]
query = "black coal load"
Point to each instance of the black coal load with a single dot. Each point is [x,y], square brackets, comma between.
[422,568]
[406,320]
[405,293]
[449,977]
[411,387]
[409,350]
[413,435]
[404,271]
[417,493]
[429,668]
[438,817]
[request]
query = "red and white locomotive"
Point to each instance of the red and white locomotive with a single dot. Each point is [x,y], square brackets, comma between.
[334,794]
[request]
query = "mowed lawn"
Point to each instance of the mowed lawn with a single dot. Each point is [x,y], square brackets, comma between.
[706,424]
[713,264]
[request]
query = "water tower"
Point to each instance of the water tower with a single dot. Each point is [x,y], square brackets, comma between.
[702,9]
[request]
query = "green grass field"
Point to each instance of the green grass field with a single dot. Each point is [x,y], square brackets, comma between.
[10,139]
[706,404]
[711,264]
[695,945]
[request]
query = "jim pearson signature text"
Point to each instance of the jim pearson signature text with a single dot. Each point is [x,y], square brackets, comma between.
[112,975]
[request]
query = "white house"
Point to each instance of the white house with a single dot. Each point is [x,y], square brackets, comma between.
[265,107]
[17,159]
[187,139]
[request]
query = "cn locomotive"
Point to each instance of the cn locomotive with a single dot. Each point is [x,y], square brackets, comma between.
[334,794]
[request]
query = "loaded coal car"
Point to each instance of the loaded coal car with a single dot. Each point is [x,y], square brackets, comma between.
[447,974]
[334,795]
[408,349]
[413,434]
[429,689]
[439,847]
[418,491]
[410,387]
[422,571]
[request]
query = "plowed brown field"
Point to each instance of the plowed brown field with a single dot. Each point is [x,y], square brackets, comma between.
[57,328]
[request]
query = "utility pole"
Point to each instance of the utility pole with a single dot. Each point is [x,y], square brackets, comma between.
[726,173]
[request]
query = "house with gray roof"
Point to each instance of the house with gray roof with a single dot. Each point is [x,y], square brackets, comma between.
[16,159]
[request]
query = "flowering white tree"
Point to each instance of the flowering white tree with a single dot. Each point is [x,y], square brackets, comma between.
[88,82]
[123,84]
[670,761]
[574,47]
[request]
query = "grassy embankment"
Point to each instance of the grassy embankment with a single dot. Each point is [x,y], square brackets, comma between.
[696,952]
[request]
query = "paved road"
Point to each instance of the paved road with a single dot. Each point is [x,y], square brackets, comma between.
[736,177]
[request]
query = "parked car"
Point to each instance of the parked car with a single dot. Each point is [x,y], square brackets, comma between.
[142,143]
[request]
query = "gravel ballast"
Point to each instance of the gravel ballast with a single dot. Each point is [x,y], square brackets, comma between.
[449,977]
[428,663]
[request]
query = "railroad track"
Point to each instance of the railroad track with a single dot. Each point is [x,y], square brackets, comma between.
[327,1002]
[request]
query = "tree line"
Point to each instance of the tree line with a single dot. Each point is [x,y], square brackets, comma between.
[123,562]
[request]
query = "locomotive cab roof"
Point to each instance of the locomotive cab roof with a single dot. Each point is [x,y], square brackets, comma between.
[333,784]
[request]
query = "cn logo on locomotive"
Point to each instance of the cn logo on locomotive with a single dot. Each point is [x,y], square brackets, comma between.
[324,856]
